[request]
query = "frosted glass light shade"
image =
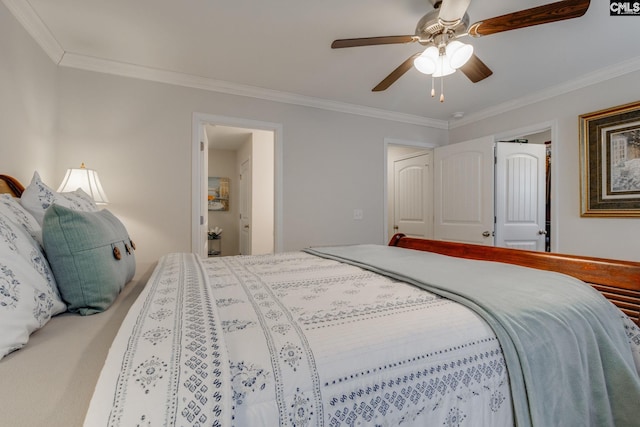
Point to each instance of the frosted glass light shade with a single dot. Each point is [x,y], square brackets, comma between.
[88,180]
[458,53]
[427,62]
[430,62]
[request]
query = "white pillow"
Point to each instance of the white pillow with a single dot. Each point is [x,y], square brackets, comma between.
[37,197]
[12,209]
[28,292]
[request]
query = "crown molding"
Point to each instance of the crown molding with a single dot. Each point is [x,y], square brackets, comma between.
[88,63]
[598,76]
[29,19]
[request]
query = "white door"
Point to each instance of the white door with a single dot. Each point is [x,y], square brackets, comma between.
[413,196]
[245,207]
[520,196]
[463,192]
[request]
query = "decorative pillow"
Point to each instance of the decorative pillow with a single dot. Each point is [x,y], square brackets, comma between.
[12,209]
[37,197]
[28,292]
[91,255]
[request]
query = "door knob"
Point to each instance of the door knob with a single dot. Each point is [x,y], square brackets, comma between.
[486,234]
[542,231]
[246,226]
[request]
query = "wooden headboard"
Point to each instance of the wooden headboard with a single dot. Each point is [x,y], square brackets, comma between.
[618,281]
[10,185]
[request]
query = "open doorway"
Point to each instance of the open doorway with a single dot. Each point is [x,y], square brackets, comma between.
[246,204]
[409,184]
[240,182]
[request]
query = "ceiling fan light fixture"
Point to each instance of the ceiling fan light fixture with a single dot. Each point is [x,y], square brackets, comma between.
[427,63]
[458,53]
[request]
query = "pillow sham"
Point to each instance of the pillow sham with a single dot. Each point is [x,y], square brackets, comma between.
[28,292]
[91,255]
[37,197]
[12,209]
[14,238]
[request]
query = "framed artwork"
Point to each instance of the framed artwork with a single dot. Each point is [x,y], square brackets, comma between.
[610,162]
[218,194]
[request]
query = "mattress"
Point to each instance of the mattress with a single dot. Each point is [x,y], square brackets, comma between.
[300,340]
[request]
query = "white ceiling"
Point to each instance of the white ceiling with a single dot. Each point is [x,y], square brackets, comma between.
[281,49]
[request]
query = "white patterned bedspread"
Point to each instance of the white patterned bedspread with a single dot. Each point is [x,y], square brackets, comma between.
[296,340]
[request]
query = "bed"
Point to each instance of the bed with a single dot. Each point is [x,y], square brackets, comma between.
[348,335]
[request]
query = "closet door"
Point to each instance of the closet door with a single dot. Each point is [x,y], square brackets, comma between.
[413,196]
[520,196]
[463,192]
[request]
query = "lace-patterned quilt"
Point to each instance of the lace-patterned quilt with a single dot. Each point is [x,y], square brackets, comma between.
[297,340]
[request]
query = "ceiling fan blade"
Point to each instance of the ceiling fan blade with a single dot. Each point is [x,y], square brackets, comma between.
[396,74]
[551,12]
[475,69]
[372,41]
[452,11]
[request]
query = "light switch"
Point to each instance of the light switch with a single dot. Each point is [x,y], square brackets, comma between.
[357,214]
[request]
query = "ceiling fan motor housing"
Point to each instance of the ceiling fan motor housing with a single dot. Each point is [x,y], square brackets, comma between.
[430,26]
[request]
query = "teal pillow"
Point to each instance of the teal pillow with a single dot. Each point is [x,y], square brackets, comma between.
[91,255]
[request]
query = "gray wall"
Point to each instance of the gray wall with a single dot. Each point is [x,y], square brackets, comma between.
[27,103]
[137,134]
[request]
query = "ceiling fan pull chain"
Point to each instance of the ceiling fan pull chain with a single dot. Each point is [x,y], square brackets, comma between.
[442,79]
[433,89]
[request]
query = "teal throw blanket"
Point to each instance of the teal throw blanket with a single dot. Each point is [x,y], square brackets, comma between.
[569,361]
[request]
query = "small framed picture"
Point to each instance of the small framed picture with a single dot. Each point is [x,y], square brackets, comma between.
[218,194]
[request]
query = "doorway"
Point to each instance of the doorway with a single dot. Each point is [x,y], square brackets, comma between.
[491,191]
[407,167]
[220,146]
[470,175]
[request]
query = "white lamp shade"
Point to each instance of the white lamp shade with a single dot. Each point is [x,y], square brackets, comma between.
[87,180]
[458,53]
[427,62]
[430,62]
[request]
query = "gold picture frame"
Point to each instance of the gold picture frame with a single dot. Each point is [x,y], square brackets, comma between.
[610,162]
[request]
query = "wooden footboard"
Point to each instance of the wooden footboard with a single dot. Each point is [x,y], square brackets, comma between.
[618,281]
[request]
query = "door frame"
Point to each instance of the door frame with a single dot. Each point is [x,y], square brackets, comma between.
[552,126]
[198,174]
[385,192]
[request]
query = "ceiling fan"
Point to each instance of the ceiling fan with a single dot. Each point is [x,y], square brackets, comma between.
[440,29]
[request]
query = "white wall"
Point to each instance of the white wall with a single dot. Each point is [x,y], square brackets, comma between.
[137,134]
[603,237]
[27,103]
[262,193]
